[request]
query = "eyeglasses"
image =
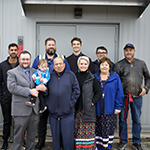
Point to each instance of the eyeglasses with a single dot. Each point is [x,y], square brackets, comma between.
[23,59]
[101,53]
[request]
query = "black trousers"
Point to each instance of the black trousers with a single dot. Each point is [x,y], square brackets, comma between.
[6,110]
[41,98]
[42,127]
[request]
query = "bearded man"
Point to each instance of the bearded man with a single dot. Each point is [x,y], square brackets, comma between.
[5,96]
[50,55]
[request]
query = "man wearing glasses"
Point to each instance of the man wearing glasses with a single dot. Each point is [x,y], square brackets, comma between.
[101,52]
[5,96]
[22,86]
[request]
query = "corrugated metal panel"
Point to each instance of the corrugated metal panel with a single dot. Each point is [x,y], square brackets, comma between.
[131,29]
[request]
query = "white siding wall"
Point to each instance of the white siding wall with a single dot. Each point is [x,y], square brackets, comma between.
[131,29]
[1,13]
[14,25]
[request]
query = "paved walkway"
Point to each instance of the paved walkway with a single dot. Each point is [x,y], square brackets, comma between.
[48,145]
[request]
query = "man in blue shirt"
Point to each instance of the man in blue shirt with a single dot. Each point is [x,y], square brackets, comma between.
[50,55]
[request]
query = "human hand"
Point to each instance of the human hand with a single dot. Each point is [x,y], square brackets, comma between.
[117,111]
[33,77]
[143,92]
[34,92]
[41,79]
[41,87]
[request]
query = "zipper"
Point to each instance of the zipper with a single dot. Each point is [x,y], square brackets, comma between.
[82,91]
[57,93]
[133,83]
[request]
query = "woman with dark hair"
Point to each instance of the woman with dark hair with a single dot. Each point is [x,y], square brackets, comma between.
[109,104]
[85,115]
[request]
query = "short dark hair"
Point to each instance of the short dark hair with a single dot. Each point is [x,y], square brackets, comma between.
[101,47]
[50,39]
[76,39]
[12,45]
[25,52]
[103,60]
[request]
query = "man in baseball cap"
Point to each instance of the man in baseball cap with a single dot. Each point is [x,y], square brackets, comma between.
[132,71]
[129,45]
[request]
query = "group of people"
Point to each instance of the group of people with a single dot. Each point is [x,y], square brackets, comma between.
[81,98]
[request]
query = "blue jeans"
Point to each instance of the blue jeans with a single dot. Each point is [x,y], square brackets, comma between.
[136,122]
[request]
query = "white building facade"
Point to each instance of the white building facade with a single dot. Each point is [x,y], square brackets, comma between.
[109,25]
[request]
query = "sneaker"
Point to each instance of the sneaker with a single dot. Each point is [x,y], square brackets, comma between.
[41,111]
[121,146]
[137,146]
[30,104]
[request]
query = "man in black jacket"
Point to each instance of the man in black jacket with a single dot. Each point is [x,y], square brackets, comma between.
[131,72]
[101,52]
[76,44]
[5,95]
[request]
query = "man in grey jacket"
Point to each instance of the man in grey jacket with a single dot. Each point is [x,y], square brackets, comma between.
[131,72]
[26,118]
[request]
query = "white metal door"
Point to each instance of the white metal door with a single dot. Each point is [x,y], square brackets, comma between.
[92,36]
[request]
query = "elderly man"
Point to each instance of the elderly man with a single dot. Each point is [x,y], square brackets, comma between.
[101,52]
[63,92]
[132,71]
[21,86]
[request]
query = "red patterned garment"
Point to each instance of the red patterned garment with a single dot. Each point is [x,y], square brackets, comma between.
[84,133]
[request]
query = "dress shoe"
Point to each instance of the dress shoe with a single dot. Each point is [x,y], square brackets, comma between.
[5,145]
[40,144]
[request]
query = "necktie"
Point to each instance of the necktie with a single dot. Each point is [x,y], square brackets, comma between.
[28,74]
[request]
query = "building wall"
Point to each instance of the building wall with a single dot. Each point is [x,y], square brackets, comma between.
[1,13]
[131,29]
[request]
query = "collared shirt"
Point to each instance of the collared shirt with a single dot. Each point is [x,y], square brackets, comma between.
[29,77]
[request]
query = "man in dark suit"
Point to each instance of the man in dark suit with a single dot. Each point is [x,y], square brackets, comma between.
[26,118]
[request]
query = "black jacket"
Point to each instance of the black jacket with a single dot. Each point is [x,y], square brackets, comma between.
[72,60]
[91,93]
[4,67]
[131,75]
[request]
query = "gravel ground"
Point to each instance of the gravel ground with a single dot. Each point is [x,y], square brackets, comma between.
[48,145]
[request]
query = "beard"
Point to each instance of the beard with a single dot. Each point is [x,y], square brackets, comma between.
[25,66]
[13,56]
[51,52]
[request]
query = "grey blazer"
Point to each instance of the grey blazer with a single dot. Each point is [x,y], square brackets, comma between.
[19,84]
